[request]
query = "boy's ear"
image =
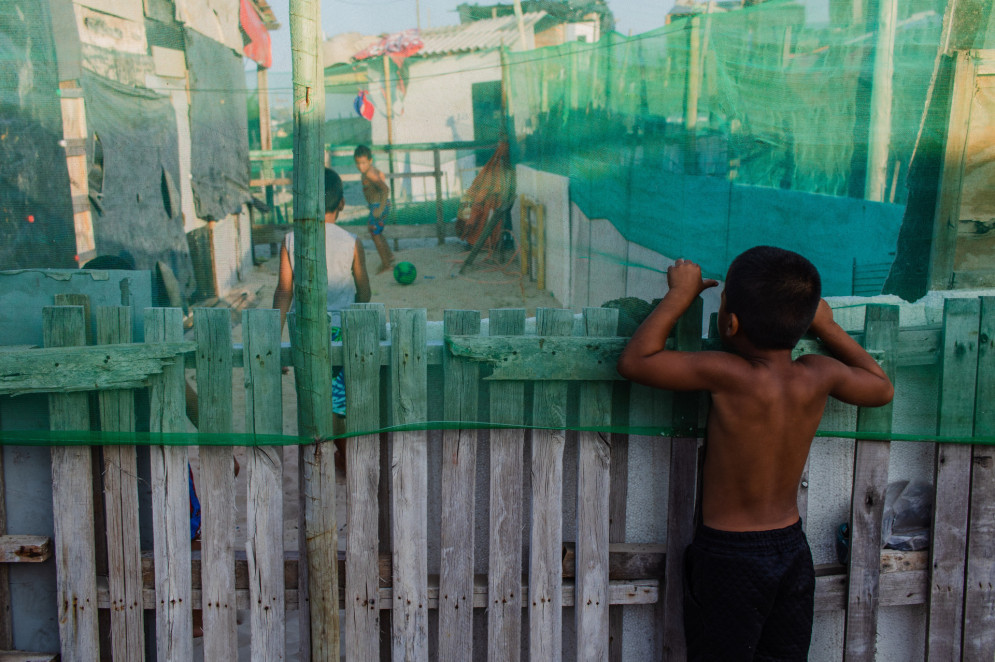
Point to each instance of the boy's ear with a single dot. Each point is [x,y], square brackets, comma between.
[732,325]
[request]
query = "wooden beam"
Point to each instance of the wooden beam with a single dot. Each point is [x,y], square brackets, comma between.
[25,549]
[72,502]
[879,131]
[458,478]
[958,381]
[311,338]
[549,409]
[507,406]
[947,217]
[70,370]
[870,478]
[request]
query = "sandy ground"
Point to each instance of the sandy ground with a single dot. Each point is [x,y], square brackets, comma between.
[492,281]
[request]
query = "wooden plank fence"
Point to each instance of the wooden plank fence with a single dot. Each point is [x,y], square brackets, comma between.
[560,374]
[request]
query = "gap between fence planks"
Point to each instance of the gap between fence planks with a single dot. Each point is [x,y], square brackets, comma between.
[361,344]
[264,516]
[593,454]
[170,498]
[958,373]
[549,408]
[217,482]
[870,479]
[409,374]
[72,502]
[117,414]
[504,594]
[458,478]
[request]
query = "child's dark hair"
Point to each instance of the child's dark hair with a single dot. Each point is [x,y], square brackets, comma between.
[362,150]
[333,190]
[774,293]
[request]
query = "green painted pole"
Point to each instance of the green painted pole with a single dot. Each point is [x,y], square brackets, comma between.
[311,340]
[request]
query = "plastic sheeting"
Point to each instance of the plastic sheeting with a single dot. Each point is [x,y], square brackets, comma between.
[219,134]
[133,175]
[36,215]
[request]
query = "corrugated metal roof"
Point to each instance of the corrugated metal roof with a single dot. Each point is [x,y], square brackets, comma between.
[478,35]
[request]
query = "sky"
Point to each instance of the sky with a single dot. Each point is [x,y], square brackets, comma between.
[380,16]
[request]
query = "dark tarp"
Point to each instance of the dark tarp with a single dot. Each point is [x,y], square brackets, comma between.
[36,214]
[219,141]
[133,162]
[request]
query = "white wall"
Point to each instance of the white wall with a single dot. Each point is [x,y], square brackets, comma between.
[437,107]
[553,192]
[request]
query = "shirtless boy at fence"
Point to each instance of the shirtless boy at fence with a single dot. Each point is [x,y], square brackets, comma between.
[749,578]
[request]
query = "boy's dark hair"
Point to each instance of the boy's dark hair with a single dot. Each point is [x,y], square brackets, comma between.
[362,150]
[774,293]
[333,190]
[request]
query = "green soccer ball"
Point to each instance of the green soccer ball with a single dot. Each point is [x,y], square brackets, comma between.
[405,273]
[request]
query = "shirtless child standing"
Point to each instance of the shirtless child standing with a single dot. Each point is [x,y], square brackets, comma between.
[749,579]
[377,195]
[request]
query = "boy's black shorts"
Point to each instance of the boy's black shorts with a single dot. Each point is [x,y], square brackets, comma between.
[748,595]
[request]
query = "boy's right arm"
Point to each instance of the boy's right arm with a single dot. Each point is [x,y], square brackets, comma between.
[646,359]
[855,377]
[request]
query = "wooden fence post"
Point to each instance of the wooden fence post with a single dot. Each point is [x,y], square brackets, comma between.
[124,554]
[170,498]
[361,359]
[409,374]
[549,409]
[958,373]
[217,483]
[264,516]
[319,594]
[459,472]
[870,478]
[979,603]
[683,492]
[504,578]
[72,501]
[593,466]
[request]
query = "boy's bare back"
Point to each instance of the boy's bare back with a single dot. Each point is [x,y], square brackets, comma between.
[765,409]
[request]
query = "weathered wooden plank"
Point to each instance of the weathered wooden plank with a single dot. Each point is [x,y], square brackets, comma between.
[623,592]
[66,370]
[979,603]
[953,477]
[537,359]
[459,471]
[21,656]
[361,342]
[549,409]
[170,498]
[618,494]
[592,503]
[25,549]
[264,544]
[312,365]
[72,502]
[504,611]
[626,561]
[217,482]
[117,414]
[409,375]
[870,477]
[683,489]
[6,622]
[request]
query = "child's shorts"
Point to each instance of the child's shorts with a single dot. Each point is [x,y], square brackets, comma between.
[376,224]
[748,595]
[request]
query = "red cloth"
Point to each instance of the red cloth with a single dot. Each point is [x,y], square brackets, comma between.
[492,190]
[259,47]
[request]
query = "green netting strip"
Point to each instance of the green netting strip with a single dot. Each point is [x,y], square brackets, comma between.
[73,438]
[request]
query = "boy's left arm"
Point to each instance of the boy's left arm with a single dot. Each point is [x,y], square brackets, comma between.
[646,359]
